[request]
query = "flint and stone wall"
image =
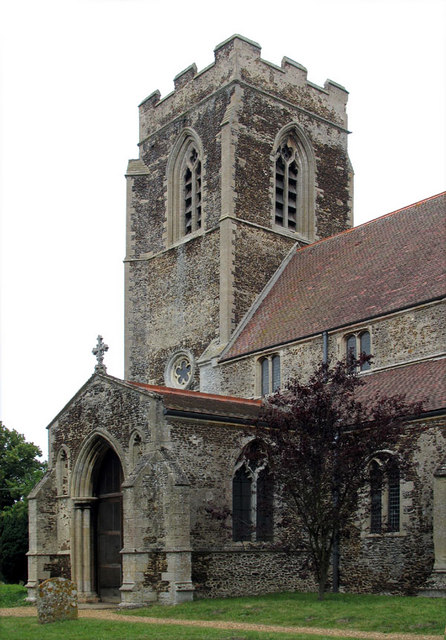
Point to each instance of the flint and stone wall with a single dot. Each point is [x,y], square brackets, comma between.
[183,294]
[398,338]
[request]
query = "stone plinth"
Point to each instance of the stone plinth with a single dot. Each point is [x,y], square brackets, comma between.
[56,600]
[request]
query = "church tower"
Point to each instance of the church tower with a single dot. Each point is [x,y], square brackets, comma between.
[243,160]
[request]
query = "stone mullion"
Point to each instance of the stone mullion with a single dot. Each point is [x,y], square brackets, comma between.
[286,178]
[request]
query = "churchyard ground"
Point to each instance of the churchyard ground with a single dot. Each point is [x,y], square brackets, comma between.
[339,612]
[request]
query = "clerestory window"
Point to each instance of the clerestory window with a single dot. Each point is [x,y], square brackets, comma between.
[356,344]
[269,374]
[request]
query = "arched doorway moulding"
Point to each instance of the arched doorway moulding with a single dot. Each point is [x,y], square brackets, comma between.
[83,500]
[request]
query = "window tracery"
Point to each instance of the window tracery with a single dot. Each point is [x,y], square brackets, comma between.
[180,370]
[286,186]
[356,344]
[252,497]
[294,177]
[185,188]
[384,495]
[192,191]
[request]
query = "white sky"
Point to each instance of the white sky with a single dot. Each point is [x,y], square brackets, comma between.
[72,75]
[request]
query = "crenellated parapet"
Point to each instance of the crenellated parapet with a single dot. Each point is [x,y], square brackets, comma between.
[242,160]
[238,59]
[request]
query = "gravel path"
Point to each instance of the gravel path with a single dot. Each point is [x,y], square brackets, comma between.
[109,614]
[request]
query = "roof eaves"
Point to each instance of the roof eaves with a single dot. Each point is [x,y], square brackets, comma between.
[350,323]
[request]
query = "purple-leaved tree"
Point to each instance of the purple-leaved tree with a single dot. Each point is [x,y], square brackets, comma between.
[321,434]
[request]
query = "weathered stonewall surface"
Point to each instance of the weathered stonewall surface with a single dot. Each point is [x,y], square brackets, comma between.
[56,600]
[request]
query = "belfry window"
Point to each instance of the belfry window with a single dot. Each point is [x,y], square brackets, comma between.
[185,188]
[252,497]
[192,192]
[269,374]
[294,178]
[286,186]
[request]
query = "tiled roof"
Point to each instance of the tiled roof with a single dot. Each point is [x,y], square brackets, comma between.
[206,404]
[390,263]
[420,382]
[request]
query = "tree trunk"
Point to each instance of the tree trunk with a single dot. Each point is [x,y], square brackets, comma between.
[323,575]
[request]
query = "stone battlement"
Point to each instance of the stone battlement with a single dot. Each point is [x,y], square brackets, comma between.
[238,59]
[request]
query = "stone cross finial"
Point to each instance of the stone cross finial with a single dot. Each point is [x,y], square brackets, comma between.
[99,351]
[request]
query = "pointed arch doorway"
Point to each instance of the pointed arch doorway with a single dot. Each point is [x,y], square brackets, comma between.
[108,526]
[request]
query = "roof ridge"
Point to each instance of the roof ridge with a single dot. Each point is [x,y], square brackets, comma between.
[367,222]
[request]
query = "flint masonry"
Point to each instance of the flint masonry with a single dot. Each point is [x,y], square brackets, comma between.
[242,268]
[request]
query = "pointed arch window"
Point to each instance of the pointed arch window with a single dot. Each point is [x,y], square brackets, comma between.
[385,505]
[294,177]
[185,188]
[252,497]
[286,186]
[191,191]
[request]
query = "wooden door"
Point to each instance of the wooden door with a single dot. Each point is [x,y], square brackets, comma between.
[109,527]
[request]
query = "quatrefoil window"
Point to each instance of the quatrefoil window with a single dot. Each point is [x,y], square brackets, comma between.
[180,370]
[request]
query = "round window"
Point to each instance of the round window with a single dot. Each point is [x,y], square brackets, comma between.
[180,370]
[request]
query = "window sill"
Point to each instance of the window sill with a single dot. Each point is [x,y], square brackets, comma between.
[384,534]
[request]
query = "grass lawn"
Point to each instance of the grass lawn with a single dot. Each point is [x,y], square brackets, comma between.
[388,614]
[422,616]
[12,595]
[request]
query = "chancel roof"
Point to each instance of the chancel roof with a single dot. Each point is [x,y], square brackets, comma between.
[391,263]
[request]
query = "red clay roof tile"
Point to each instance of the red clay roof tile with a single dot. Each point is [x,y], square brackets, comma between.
[420,382]
[390,263]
